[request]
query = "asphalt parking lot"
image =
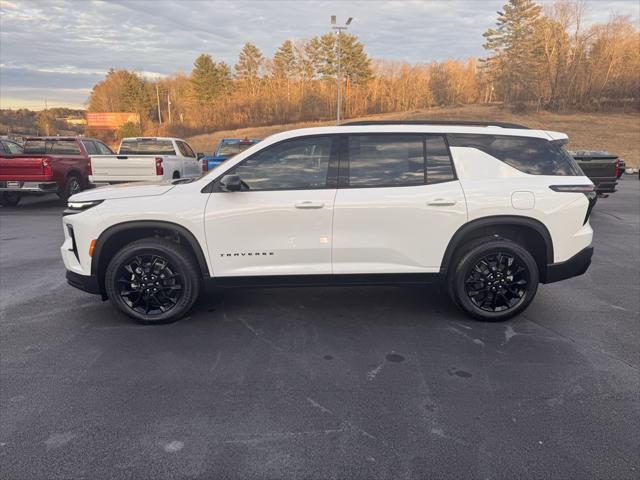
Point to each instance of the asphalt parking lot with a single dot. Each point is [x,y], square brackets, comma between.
[376,382]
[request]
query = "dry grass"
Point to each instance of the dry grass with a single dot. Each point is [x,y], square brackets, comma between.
[618,133]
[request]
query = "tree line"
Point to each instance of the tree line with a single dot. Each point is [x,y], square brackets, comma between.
[543,58]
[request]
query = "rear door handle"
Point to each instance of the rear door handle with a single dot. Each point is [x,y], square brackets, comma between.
[309,204]
[441,202]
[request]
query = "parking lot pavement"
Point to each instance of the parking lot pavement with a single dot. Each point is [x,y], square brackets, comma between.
[377,382]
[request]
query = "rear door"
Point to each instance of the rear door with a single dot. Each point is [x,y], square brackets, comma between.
[280,222]
[397,206]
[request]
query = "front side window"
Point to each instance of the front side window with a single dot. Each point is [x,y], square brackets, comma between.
[292,165]
[103,149]
[13,147]
[90,147]
[534,156]
[386,160]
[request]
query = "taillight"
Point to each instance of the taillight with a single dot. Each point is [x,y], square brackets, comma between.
[159,168]
[47,170]
[89,168]
[588,190]
[205,166]
[617,168]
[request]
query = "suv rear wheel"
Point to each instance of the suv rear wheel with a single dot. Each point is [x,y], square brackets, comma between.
[493,279]
[153,281]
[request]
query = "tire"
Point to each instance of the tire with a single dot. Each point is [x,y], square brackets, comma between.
[176,175]
[10,199]
[71,187]
[493,268]
[136,283]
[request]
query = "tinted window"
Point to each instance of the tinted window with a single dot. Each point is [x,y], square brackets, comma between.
[59,147]
[103,149]
[535,156]
[65,147]
[439,168]
[296,164]
[231,149]
[90,147]
[146,146]
[386,160]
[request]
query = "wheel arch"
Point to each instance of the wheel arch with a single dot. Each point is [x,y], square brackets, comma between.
[530,232]
[116,236]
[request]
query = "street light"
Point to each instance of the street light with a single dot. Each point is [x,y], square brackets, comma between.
[339,30]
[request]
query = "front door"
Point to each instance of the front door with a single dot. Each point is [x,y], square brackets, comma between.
[398,206]
[280,222]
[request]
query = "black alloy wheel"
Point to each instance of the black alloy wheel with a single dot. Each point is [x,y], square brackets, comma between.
[149,284]
[497,282]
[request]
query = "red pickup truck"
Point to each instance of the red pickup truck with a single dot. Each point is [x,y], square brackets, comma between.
[60,165]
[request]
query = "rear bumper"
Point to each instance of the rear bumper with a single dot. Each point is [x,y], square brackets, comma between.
[86,283]
[606,184]
[28,187]
[575,266]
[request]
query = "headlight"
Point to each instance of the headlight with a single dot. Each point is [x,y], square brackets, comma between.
[77,207]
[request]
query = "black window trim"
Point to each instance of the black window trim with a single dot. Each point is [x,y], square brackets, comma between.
[343,175]
[332,170]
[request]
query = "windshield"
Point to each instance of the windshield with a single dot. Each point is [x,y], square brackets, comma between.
[146,146]
[231,149]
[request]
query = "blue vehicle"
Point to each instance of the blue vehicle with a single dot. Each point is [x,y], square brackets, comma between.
[227,148]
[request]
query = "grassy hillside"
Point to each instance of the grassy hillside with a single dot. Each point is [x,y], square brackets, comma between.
[616,132]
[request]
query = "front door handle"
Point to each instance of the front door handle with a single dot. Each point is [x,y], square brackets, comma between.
[441,202]
[309,204]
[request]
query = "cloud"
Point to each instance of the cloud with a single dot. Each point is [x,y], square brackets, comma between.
[56,44]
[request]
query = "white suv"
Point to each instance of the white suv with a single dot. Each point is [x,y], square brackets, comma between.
[492,209]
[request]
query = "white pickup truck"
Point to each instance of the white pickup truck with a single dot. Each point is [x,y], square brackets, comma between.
[147,159]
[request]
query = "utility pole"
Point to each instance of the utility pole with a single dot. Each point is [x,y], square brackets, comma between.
[46,117]
[339,30]
[158,98]
[169,107]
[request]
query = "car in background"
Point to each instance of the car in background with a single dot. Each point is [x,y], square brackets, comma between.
[57,165]
[227,148]
[150,159]
[603,168]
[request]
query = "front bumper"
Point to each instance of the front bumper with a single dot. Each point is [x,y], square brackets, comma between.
[575,266]
[86,283]
[28,187]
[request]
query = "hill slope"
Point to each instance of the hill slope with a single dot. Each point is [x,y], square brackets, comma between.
[618,133]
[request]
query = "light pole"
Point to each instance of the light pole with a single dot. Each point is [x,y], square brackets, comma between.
[339,30]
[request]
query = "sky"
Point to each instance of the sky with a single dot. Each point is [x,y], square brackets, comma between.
[56,50]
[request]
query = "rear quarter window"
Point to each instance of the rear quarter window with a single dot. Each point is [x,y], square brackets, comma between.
[534,156]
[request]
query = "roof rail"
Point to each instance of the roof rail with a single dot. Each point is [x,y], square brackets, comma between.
[465,123]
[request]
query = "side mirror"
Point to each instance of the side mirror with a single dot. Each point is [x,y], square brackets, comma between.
[200,155]
[231,183]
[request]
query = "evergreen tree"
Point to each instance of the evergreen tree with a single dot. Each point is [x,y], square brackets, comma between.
[209,79]
[285,64]
[249,62]
[514,45]
[322,53]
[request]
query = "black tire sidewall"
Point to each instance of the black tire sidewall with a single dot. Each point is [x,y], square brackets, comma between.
[471,257]
[178,256]
[10,199]
[67,189]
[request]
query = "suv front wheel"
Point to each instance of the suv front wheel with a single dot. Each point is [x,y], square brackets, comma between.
[493,279]
[153,280]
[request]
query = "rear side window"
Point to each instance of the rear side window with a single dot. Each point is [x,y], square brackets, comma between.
[439,167]
[65,147]
[11,147]
[386,160]
[535,156]
[146,146]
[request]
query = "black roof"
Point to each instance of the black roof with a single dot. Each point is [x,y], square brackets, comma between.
[464,123]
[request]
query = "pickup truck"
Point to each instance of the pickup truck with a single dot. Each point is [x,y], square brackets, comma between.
[603,168]
[150,159]
[47,165]
[227,148]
